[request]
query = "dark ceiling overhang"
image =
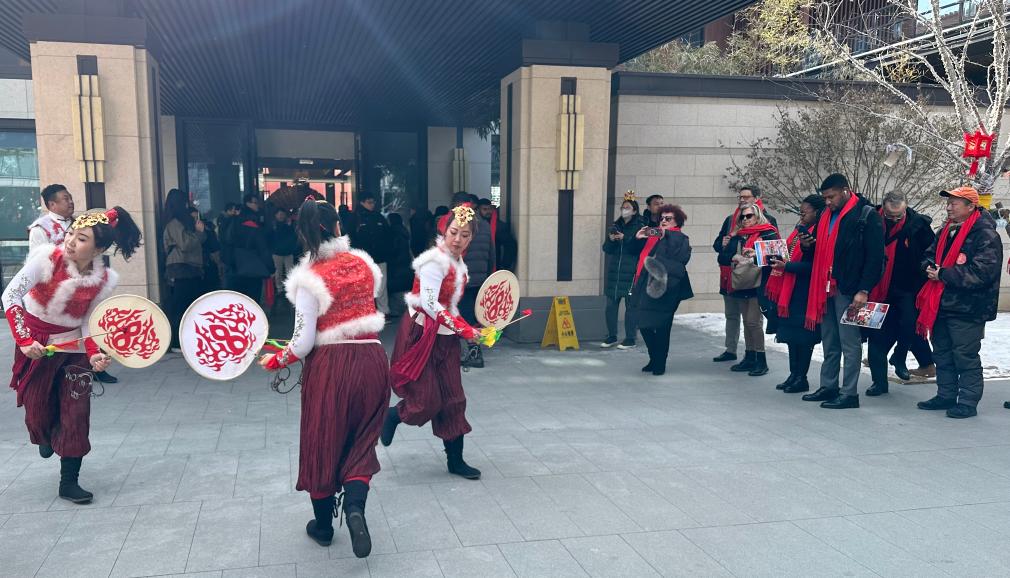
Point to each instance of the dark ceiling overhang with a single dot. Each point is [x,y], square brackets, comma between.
[362,63]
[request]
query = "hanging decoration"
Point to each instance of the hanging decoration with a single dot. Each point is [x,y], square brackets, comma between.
[977,146]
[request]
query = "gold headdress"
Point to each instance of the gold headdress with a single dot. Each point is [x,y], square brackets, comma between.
[110,217]
[462,215]
[629,195]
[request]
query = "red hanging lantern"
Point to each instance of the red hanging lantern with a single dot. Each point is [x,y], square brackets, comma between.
[977,146]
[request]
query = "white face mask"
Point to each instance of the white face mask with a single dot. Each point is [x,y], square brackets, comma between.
[627,213]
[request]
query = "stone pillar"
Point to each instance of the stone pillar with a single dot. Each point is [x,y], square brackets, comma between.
[127,124]
[555,144]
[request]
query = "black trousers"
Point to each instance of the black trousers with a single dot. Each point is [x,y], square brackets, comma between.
[657,341]
[898,329]
[251,287]
[613,307]
[799,359]
[956,344]
[182,293]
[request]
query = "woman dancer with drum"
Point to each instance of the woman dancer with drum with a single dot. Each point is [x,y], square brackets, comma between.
[425,371]
[49,302]
[345,387]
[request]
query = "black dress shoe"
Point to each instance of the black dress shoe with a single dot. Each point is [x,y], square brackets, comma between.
[842,402]
[658,370]
[726,356]
[647,368]
[902,372]
[876,389]
[789,381]
[798,386]
[961,411]
[822,394]
[747,364]
[936,402]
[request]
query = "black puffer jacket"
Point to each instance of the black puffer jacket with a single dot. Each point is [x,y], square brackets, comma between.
[664,282]
[480,255]
[622,257]
[971,289]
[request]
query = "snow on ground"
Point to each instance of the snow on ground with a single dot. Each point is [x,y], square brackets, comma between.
[995,353]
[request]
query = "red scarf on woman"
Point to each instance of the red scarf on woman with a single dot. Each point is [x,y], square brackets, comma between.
[753,234]
[780,283]
[879,293]
[821,283]
[650,244]
[928,301]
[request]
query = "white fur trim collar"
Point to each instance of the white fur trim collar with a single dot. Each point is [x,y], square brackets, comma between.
[53,311]
[334,246]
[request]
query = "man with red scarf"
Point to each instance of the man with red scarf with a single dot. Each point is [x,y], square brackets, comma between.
[848,263]
[747,195]
[907,235]
[964,266]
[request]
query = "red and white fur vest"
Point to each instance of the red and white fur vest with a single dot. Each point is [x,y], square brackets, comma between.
[63,295]
[345,282]
[54,230]
[453,282]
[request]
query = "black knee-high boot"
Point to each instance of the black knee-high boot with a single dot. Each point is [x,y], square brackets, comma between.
[355,494]
[389,426]
[792,370]
[320,529]
[454,458]
[70,469]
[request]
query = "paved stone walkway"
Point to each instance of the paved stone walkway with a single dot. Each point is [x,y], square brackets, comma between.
[590,468]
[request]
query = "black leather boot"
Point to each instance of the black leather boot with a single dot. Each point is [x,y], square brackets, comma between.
[454,459]
[801,384]
[822,394]
[746,365]
[877,389]
[355,495]
[789,381]
[389,426]
[70,469]
[46,450]
[760,365]
[320,528]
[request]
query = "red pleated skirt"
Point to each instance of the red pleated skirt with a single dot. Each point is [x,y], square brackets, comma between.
[437,394]
[345,393]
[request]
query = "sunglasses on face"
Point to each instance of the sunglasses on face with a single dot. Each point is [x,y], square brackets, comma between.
[745,217]
[666,218]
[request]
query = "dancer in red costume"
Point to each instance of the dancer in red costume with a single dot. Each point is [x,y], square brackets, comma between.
[345,387]
[425,371]
[49,302]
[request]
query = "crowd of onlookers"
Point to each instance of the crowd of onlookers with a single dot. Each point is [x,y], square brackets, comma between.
[849,272]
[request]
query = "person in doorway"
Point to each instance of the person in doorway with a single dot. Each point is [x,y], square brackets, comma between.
[345,388]
[505,244]
[284,244]
[182,241]
[50,301]
[52,227]
[370,233]
[422,230]
[747,282]
[213,269]
[788,286]
[746,195]
[622,248]
[963,265]
[907,235]
[480,263]
[661,283]
[652,205]
[401,277]
[425,367]
[848,263]
[250,262]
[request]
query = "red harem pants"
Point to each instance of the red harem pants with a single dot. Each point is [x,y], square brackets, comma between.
[437,394]
[345,393]
[52,413]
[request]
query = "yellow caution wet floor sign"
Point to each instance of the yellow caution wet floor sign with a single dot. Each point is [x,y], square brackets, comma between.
[560,329]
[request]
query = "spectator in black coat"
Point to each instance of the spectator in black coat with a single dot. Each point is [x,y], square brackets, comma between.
[250,261]
[401,275]
[661,284]
[369,232]
[622,248]
[284,244]
[422,230]
[505,244]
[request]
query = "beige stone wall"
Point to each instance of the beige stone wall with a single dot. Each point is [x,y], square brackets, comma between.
[129,126]
[169,155]
[536,102]
[441,142]
[670,145]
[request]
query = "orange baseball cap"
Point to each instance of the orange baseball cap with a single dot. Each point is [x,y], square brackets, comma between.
[967,193]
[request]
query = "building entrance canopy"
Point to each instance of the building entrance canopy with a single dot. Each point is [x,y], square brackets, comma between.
[352,63]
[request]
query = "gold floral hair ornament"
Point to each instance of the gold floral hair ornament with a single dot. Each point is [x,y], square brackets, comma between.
[629,195]
[110,217]
[463,214]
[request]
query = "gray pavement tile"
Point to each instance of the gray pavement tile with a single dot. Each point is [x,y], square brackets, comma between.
[774,550]
[263,472]
[152,481]
[416,520]
[947,476]
[880,556]
[27,540]
[91,543]
[474,515]
[195,438]
[102,477]
[242,436]
[697,501]
[590,509]
[955,543]
[208,477]
[159,541]
[608,556]
[34,490]
[509,456]
[216,574]
[346,568]
[484,561]
[534,514]
[995,516]
[639,502]
[282,536]
[671,554]
[558,456]
[227,535]
[419,564]
[281,571]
